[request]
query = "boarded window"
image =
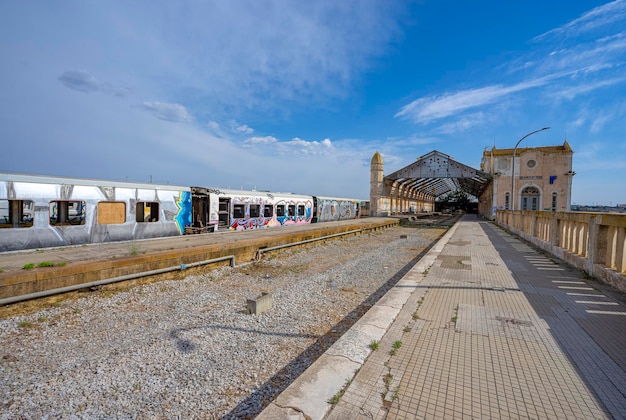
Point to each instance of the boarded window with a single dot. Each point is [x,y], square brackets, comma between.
[16,213]
[255,210]
[147,211]
[268,211]
[63,213]
[239,211]
[111,213]
[301,210]
[280,210]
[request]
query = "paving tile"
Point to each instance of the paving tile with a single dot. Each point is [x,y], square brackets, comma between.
[495,338]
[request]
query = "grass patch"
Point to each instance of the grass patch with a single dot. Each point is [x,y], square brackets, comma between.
[28,266]
[456,314]
[335,399]
[45,264]
[407,329]
[62,264]
[25,324]
[374,345]
[133,249]
[396,344]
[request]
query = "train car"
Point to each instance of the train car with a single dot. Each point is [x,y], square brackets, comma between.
[40,211]
[221,209]
[331,209]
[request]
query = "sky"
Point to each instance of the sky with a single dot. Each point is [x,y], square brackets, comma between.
[293,96]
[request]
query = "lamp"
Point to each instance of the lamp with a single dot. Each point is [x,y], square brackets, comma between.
[513,165]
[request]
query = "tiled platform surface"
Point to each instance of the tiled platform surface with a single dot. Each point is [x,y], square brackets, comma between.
[493,329]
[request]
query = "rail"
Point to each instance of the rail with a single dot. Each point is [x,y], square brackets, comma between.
[593,242]
[306,241]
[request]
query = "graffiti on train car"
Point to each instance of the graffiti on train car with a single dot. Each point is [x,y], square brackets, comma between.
[183,216]
[293,213]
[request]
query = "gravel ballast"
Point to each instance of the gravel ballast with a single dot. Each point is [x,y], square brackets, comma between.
[188,348]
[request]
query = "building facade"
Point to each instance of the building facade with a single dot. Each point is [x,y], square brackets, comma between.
[533,178]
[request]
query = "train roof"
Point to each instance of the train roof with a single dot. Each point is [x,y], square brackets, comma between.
[249,193]
[339,198]
[44,179]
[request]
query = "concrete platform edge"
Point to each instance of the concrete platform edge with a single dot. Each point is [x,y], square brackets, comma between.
[308,396]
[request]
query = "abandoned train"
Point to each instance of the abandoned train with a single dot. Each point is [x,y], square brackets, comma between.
[40,211]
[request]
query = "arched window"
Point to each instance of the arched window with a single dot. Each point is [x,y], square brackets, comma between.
[507,201]
[530,198]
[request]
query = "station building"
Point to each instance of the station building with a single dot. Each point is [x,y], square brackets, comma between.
[539,178]
[532,178]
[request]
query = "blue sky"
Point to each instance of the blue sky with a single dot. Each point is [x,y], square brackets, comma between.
[297,96]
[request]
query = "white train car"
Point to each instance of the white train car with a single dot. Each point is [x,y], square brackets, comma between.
[40,211]
[332,209]
[223,209]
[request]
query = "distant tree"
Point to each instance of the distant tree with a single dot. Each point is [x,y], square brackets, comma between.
[455,200]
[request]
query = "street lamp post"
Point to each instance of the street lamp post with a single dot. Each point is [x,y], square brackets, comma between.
[513,165]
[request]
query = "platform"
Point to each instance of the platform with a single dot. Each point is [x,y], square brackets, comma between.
[484,326]
[68,268]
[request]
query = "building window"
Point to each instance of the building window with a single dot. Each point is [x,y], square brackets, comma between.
[291,210]
[507,201]
[255,210]
[147,211]
[239,211]
[280,210]
[268,211]
[554,195]
[67,213]
[531,163]
[301,210]
[111,213]
[16,213]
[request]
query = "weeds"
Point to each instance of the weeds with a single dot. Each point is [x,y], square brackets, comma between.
[45,264]
[28,266]
[335,399]
[25,324]
[133,249]
[374,345]
[456,314]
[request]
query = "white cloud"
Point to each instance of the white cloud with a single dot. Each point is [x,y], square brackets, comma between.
[571,92]
[298,146]
[428,109]
[255,141]
[244,129]
[598,17]
[462,123]
[167,111]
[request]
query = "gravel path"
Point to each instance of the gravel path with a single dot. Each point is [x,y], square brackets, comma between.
[186,348]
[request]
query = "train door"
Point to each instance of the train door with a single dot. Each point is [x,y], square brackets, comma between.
[314,219]
[224,212]
[200,211]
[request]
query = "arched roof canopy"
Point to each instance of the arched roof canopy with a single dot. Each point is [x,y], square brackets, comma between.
[436,174]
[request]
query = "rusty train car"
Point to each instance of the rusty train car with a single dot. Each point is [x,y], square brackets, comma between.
[40,211]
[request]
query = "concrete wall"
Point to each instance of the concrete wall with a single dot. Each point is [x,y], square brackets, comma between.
[593,242]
